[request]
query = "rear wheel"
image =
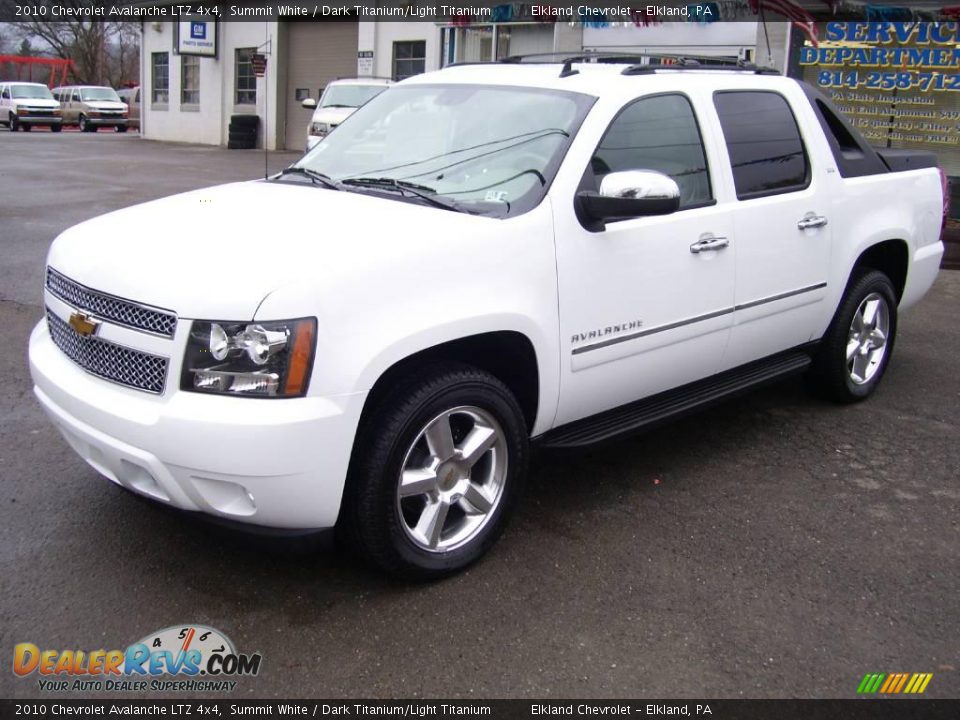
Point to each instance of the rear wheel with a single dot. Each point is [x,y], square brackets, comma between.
[435,472]
[857,346]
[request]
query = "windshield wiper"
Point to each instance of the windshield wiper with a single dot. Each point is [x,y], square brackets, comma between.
[315,176]
[423,192]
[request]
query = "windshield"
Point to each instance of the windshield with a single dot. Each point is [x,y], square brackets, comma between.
[31,92]
[99,93]
[492,150]
[350,95]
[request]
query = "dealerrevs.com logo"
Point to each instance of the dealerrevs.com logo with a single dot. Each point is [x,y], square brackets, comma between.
[189,658]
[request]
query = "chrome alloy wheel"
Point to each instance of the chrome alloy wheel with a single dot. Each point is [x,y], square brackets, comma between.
[867,341]
[452,479]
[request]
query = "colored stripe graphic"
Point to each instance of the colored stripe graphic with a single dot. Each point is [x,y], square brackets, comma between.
[894,683]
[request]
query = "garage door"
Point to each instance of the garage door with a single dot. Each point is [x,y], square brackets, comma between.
[316,54]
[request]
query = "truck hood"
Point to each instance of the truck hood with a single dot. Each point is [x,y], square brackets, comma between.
[106,105]
[217,253]
[332,115]
[38,102]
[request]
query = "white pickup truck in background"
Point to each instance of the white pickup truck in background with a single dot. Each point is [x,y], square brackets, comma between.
[509,253]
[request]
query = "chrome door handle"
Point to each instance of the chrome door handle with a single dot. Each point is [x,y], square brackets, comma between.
[811,221]
[709,242]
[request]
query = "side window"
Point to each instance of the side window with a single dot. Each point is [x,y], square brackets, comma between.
[6,94]
[76,96]
[657,133]
[763,142]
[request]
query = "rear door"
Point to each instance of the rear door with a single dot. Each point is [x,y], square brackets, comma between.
[781,220]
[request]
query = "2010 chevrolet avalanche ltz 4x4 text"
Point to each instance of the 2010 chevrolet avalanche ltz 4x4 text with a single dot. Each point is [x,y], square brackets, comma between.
[550,252]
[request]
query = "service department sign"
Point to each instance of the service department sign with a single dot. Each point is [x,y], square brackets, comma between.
[197,37]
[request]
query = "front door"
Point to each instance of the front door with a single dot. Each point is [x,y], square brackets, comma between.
[642,308]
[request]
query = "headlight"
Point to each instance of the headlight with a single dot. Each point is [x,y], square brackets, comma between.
[257,359]
[319,129]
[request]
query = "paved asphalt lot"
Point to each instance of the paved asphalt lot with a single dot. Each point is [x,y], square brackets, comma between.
[776,546]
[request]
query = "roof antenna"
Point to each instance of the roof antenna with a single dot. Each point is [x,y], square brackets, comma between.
[568,70]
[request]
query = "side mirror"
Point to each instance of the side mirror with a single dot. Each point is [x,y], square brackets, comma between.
[630,194]
[309,103]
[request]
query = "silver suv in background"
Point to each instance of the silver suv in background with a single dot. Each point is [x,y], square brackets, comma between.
[25,104]
[338,101]
[92,107]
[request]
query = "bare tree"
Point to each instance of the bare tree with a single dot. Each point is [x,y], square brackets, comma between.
[102,52]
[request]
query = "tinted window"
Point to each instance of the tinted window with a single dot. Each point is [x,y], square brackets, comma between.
[763,141]
[657,133]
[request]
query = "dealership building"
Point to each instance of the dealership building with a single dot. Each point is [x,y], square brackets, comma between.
[196,75]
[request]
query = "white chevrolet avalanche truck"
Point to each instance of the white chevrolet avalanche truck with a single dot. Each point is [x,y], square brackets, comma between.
[506,254]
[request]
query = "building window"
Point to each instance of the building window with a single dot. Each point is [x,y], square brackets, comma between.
[189,80]
[160,77]
[409,58]
[245,84]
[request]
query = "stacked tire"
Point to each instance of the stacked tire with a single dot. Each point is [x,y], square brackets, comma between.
[243,131]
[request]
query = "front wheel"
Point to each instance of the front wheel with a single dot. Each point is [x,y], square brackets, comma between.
[14,123]
[120,128]
[857,346]
[85,125]
[435,472]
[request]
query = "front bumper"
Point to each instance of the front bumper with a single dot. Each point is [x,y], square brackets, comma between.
[267,462]
[40,119]
[108,121]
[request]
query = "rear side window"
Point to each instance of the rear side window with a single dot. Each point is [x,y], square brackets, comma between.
[763,142]
[657,133]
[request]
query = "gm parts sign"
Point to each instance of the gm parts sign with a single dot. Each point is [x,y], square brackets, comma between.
[197,37]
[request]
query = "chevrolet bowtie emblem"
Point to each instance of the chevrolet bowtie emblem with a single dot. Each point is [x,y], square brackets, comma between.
[83,324]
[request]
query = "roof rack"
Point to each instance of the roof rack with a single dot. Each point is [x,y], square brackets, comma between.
[640,63]
[686,63]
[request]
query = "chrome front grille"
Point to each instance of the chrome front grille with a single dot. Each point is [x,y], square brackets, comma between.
[113,362]
[107,307]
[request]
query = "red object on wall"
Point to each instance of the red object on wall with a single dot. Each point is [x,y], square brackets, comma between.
[58,67]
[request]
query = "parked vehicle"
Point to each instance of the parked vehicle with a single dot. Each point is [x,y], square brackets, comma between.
[24,105]
[131,97]
[91,107]
[506,254]
[338,101]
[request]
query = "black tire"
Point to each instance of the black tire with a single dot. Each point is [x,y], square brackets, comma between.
[86,126]
[120,128]
[26,127]
[56,128]
[242,136]
[831,374]
[14,123]
[245,121]
[241,145]
[371,520]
